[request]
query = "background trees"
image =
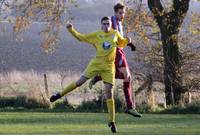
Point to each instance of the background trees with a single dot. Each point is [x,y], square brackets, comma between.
[53,13]
[167,44]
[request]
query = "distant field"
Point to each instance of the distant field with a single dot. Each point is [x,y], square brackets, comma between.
[70,54]
[22,123]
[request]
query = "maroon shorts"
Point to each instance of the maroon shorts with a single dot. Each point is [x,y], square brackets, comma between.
[120,61]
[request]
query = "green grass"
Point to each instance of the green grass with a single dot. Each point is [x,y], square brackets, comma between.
[39,123]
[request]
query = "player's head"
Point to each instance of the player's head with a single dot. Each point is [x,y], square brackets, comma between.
[106,24]
[119,10]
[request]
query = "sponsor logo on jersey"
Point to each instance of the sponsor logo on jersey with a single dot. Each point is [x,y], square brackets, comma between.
[106,45]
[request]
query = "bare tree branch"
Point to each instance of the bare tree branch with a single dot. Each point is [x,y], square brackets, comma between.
[156,7]
[181,6]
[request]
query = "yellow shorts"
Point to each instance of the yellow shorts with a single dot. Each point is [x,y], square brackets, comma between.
[105,70]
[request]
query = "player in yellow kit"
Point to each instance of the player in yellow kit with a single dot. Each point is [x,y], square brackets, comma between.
[105,41]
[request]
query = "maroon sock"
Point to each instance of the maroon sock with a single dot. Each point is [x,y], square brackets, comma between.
[128,95]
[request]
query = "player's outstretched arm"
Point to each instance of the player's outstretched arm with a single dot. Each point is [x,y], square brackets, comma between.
[87,38]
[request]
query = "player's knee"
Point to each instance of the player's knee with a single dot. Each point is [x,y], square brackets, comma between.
[128,78]
[79,83]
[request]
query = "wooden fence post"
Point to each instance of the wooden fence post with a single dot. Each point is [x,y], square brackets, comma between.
[46,85]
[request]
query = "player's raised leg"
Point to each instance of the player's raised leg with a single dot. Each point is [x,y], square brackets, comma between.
[69,88]
[128,92]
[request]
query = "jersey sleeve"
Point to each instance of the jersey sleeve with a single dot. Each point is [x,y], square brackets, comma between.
[87,38]
[121,41]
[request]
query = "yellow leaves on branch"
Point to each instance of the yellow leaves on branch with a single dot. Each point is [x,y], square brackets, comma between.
[195,26]
[30,13]
[50,12]
[21,23]
[49,43]
[173,37]
[50,39]
[157,12]
[141,24]
[194,31]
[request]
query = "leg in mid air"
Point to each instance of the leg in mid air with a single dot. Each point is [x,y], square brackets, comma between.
[68,88]
[123,72]
[127,87]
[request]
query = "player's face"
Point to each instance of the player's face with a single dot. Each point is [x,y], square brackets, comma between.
[120,14]
[106,25]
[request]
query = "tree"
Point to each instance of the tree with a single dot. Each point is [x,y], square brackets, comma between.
[143,26]
[169,24]
[52,13]
[165,61]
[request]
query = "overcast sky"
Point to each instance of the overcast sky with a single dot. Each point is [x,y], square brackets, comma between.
[194,4]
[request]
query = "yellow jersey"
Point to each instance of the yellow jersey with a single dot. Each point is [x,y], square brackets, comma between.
[105,43]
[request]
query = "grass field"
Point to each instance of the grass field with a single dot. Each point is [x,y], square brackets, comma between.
[34,123]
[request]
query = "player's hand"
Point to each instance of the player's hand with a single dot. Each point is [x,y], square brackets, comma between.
[129,39]
[132,46]
[69,25]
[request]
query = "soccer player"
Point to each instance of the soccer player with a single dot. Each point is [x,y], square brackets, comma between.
[122,68]
[105,41]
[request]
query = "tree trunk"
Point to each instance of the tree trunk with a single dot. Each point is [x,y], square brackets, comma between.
[169,24]
[172,71]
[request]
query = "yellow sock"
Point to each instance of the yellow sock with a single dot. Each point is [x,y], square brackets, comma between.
[111,109]
[69,88]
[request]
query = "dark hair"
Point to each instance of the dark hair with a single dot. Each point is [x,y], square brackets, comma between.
[105,18]
[118,6]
